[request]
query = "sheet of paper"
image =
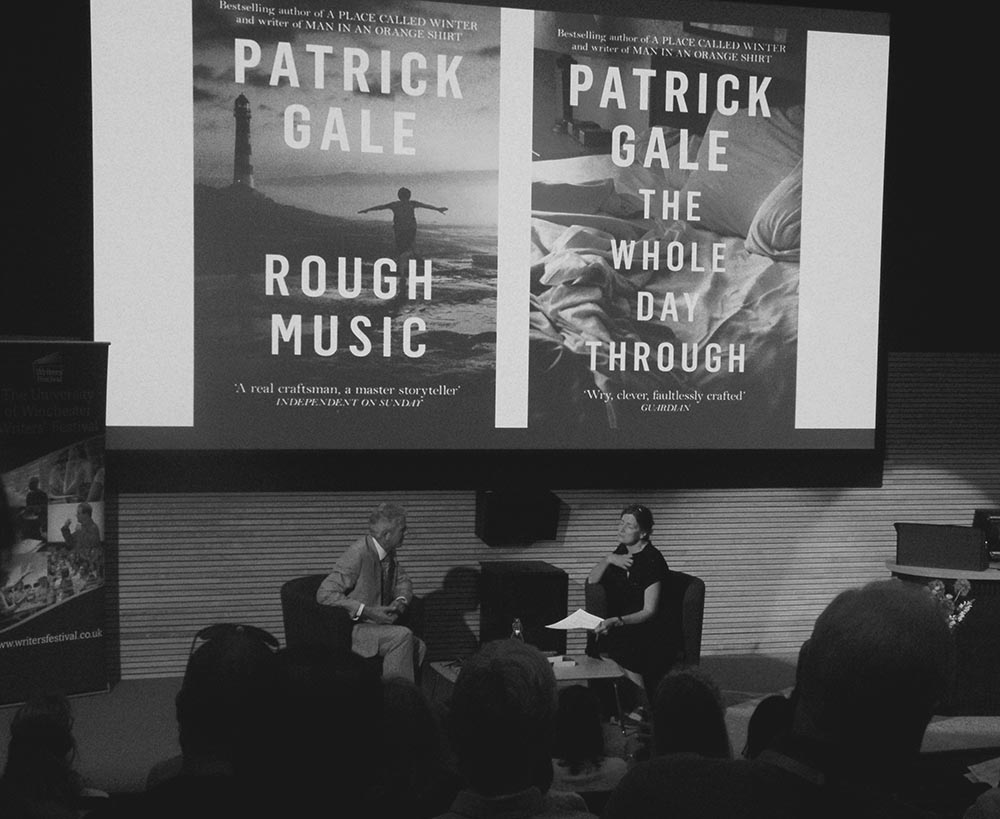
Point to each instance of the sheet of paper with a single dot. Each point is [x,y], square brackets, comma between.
[578,619]
[986,771]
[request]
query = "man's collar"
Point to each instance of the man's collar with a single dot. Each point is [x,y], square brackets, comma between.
[378,548]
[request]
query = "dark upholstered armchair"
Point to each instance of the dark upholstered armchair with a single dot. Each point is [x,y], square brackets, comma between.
[686,593]
[684,606]
[307,621]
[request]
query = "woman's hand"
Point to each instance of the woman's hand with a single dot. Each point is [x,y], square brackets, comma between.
[607,624]
[621,561]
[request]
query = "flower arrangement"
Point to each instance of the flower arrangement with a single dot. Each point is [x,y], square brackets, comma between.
[954,606]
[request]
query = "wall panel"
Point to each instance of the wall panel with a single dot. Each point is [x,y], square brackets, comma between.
[771,558]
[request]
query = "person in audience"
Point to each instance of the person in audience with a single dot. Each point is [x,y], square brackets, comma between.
[225,710]
[501,721]
[689,715]
[416,775]
[328,745]
[46,595]
[35,504]
[369,581]
[6,601]
[626,589]
[36,498]
[770,721]
[85,540]
[64,584]
[8,536]
[39,779]
[70,476]
[879,659]
[986,806]
[579,763]
[19,595]
[95,492]
[229,677]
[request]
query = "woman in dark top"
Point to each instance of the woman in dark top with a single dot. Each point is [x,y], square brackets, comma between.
[633,579]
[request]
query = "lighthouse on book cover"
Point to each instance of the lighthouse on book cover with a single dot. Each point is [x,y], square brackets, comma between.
[242,169]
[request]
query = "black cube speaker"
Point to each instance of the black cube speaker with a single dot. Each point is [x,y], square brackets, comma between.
[988,521]
[516,517]
[941,546]
[531,591]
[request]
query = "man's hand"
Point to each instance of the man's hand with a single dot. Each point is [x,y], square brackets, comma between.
[397,606]
[380,615]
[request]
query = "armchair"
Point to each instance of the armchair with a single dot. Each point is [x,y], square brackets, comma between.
[307,621]
[683,608]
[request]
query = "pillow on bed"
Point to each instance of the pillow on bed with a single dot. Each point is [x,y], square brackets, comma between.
[566,197]
[576,169]
[777,226]
[592,169]
[760,153]
[673,177]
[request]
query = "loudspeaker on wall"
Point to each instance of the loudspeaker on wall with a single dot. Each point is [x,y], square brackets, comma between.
[512,517]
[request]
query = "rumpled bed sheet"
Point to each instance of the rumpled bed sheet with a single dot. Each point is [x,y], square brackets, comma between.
[579,296]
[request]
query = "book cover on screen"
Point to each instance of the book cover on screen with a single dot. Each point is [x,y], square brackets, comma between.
[666,201]
[345,209]
[346,221]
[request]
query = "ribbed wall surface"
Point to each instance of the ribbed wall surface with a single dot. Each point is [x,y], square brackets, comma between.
[771,558]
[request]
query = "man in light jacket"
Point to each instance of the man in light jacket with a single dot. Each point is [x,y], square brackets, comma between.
[371,584]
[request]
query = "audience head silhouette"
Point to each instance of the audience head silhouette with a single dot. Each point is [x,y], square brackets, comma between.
[415,776]
[39,779]
[229,678]
[502,718]
[879,660]
[327,712]
[771,719]
[579,737]
[689,715]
